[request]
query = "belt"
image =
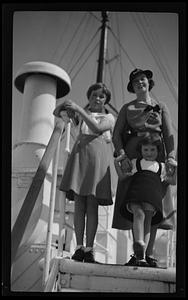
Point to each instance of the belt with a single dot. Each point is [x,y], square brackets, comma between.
[142,133]
[145,133]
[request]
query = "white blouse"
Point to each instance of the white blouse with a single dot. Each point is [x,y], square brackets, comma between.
[99,118]
[151,166]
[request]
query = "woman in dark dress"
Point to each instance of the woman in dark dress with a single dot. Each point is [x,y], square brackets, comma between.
[135,120]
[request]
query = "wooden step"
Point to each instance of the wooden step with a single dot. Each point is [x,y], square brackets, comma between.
[115,278]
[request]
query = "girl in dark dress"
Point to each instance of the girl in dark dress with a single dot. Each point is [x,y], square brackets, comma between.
[142,204]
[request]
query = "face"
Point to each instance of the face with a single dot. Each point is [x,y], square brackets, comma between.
[140,84]
[149,152]
[97,100]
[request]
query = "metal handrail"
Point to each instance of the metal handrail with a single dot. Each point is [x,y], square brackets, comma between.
[33,192]
[52,206]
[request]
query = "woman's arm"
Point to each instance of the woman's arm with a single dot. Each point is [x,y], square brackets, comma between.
[119,130]
[121,175]
[167,132]
[169,173]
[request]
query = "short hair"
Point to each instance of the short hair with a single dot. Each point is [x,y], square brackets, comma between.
[151,139]
[97,86]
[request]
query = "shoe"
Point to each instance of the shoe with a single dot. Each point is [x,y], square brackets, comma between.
[79,255]
[139,250]
[152,262]
[142,263]
[89,257]
[132,261]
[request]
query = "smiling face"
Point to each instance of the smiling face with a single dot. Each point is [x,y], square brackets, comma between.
[97,100]
[140,84]
[149,152]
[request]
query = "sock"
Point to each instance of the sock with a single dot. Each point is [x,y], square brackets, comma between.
[79,247]
[87,249]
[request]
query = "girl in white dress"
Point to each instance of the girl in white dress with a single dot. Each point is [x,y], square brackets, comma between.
[87,177]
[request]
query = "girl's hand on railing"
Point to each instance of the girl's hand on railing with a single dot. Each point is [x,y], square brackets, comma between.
[71,106]
[64,116]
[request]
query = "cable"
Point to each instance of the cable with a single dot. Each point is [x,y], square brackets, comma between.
[147,38]
[74,34]
[84,51]
[84,62]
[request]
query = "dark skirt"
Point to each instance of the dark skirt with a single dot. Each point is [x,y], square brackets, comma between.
[145,186]
[118,221]
[88,170]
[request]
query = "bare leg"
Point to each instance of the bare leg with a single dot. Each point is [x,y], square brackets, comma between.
[147,226]
[79,218]
[150,246]
[92,220]
[138,222]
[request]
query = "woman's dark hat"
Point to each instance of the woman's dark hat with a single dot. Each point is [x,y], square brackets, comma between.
[99,85]
[134,74]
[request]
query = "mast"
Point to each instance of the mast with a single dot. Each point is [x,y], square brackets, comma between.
[103,47]
[102,53]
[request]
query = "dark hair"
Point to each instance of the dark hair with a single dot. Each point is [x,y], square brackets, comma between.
[151,139]
[135,73]
[97,86]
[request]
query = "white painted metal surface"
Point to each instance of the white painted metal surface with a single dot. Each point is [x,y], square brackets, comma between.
[116,278]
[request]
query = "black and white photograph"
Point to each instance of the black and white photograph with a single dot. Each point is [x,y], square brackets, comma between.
[96,198]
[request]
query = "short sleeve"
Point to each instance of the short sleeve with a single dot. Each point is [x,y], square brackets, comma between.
[111,119]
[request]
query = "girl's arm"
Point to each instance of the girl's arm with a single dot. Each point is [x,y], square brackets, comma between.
[99,128]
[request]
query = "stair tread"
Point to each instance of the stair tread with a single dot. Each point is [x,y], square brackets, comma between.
[119,271]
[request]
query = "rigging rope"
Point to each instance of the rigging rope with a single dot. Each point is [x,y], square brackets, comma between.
[121,69]
[84,62]
[161,65]
[62,35]
[152,49]
[82,34]
[158,45]
[74,34]
[122,47]
[84,51]
[111,80]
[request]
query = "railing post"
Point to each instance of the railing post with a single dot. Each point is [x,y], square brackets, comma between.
[62,196]
[52,206]
[51,214]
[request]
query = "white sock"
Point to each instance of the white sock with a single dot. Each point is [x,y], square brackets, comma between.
[87,249]
[79,247]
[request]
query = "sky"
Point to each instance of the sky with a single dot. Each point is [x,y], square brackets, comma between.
[147,40]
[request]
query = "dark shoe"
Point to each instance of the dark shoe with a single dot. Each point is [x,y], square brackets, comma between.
[78,255]
[139,250]
[152,262]
[132,261]
[89,257]
[142,263]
